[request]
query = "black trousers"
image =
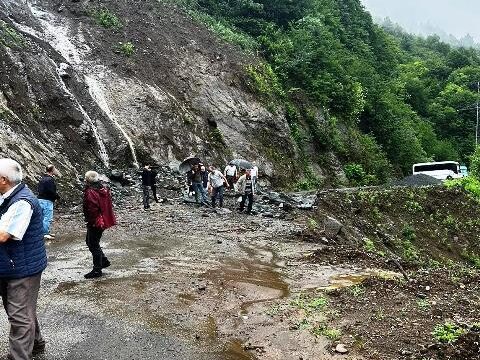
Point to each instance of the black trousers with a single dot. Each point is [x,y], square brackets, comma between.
[250,202]
[93,242]
[154,191]
[230,181]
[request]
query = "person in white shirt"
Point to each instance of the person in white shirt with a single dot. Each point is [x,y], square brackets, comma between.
[216,183]
[231,173]
[22,260]
[254,174]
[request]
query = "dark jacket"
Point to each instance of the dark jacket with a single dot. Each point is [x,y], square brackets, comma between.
[146,177]
[47,189]
[194,176]
[26,257]
[204,178]
[98,207]
[153,178]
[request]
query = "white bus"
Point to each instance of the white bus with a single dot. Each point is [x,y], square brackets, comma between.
[439,170]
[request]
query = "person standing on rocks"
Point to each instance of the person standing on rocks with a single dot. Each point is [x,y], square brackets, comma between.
[146,183]
[246,187]
[22,260]
[254,174]
[204,177]
[197,185]
[153,183]
[217,183]
[47,195]
[231,174]
[99,215]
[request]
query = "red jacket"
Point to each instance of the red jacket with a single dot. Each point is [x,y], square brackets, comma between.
[97,206]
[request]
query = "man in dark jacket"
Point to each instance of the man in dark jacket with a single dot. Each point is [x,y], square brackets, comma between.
[22,260]
[146,183]
[153,183]
[47,194]
[195,177]
[98,211]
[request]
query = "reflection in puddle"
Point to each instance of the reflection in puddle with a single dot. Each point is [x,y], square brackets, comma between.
[341,281]
[234,351]
[66,286]
[262,275]
[186,298]
[211,328]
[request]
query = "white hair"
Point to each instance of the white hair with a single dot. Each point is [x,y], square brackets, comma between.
[12,170]
[92,176]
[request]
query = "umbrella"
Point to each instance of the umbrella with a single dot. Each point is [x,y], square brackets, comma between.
[242,164]
[187,164]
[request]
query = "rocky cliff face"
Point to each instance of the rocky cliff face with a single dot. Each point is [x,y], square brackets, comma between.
[71,95]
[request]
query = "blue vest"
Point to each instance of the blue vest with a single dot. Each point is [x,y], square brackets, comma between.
[26,257]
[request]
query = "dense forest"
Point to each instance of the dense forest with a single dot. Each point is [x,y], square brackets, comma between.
[387,99]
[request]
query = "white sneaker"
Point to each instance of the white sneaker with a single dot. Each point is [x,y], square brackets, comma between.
[48,237]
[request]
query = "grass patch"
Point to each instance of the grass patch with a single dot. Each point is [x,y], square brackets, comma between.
[357,290]
[469,183]
[369,245]
[9,37]
[472,258]
[126,48]
[106,18]
[324,330]
[423,305]
[310,304]
[225,31]
[447,332]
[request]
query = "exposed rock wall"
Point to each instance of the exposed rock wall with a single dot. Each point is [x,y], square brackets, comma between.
[71,97]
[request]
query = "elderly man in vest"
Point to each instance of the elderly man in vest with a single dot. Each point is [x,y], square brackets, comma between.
[22,260]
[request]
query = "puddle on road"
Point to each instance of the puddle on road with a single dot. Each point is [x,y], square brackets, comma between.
[211,328]
[234,351]
[340,281]
[187,298]
[258,279]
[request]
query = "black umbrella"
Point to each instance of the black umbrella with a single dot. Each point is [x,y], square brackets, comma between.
[187,164]
[242,164]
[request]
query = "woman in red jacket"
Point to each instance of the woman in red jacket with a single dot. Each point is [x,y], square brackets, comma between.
[98,211]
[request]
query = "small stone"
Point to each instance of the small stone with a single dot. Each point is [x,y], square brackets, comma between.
[427,288]
[341,349]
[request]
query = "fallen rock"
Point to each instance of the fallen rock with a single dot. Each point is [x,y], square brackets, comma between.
[332,226]
[222,211]
[341,349]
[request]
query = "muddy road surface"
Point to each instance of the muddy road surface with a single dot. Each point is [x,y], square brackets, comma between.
[185,283]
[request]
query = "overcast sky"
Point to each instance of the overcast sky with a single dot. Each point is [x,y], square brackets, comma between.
[457,17]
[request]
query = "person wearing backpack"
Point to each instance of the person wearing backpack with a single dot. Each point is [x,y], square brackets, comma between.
[47,195]
[98,211]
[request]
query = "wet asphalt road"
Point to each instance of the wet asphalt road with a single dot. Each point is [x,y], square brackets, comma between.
[122,315]
[184,284]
